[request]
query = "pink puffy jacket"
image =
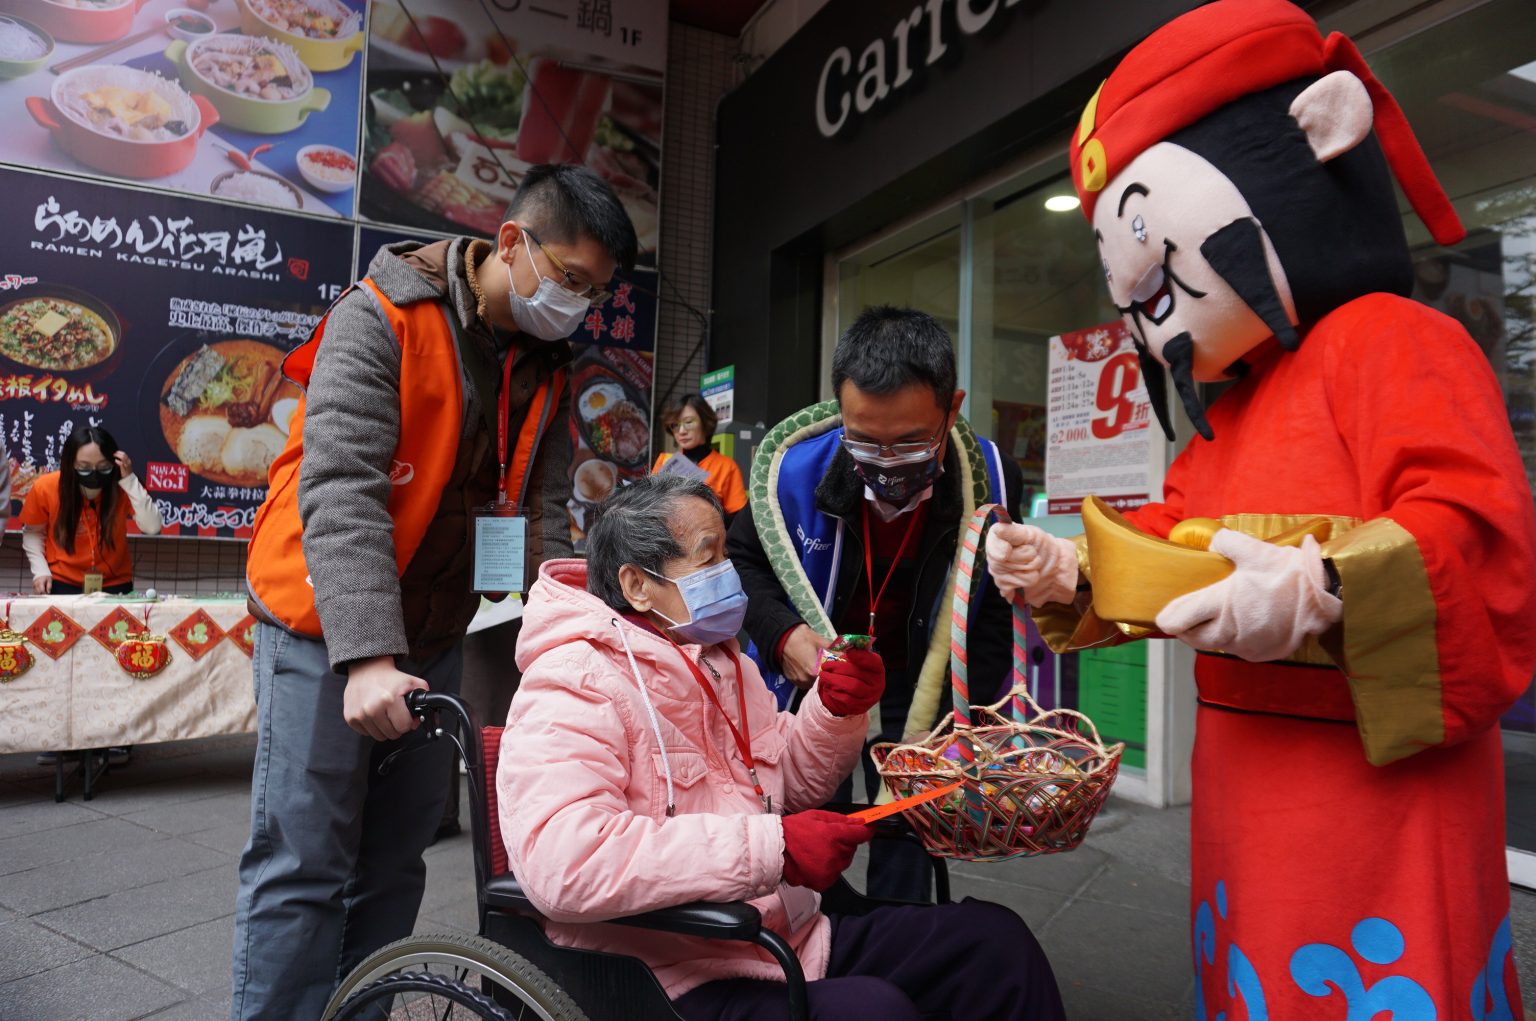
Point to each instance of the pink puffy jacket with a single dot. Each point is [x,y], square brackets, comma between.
[583,788]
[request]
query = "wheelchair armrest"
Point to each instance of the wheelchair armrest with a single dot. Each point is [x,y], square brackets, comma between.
[734,920]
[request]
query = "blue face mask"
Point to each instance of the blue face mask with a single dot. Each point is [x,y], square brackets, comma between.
[716,604]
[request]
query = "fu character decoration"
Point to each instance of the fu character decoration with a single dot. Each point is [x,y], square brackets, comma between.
[15,658]
[145,654]
[1359,589]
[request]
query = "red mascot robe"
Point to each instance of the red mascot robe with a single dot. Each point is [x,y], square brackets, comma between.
[1348,825]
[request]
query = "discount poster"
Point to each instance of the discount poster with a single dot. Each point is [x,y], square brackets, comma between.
[1099,421]
[252,101]
[463,97]
[165,321]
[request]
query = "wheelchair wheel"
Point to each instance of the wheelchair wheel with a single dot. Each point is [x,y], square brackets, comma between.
[420,995]
[452,965]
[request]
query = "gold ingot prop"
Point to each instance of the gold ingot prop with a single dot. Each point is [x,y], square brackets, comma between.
[1135,574]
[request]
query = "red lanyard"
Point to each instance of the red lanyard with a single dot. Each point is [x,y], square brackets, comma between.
[869,561]
[503,414]
[744,735]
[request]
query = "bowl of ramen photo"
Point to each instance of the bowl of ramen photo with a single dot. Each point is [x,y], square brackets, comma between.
[78,21]
[124,121]
[326,34]
[225,410]
[55,329]
[256,84]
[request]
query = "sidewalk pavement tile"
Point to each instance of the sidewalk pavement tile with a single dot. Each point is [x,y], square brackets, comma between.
[27,948]
[132,916]
[67,843]
[1061,873]
[111,870]
[97,988]
[1096,1003]
[195,958]
[1129,886]
[200,1009]
[1136,953]
[182,817]
[21,813]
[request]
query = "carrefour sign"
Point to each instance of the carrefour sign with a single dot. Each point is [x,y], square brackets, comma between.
[847,87]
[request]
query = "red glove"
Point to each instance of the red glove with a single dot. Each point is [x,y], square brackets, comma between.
[818,847]
[851,683]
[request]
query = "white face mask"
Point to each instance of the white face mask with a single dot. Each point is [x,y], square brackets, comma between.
[553,313]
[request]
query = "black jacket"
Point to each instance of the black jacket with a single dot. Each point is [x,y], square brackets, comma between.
[770,615]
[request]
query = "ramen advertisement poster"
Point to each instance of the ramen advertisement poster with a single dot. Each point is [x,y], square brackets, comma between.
[1099,421]
[164,320]
[244,100]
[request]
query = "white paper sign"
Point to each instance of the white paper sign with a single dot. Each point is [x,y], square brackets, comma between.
[1099,421]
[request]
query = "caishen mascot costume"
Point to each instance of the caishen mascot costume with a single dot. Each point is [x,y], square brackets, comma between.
[1348,814]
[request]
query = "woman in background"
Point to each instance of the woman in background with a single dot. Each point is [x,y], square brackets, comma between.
[76,519]
[692,422]
[75,528]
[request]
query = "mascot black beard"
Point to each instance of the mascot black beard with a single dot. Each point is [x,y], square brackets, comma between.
[1361,593]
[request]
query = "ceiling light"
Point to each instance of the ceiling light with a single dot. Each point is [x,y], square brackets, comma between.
[1062,203]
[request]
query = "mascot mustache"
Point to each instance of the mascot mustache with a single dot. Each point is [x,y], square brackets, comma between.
[1236,253]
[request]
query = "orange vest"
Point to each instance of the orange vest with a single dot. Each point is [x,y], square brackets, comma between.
[430,387]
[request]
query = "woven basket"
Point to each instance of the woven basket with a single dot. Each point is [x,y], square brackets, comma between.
[1031,780]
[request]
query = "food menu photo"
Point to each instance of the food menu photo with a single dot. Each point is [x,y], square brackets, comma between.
[166,320]
[459,106]
[252,101]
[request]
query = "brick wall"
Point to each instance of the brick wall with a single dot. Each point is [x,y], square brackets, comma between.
[701,67]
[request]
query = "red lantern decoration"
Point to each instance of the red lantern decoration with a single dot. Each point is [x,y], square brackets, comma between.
[144,655]
[15,657]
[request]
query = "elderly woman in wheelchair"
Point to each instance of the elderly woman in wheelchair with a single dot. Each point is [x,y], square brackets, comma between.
[644,766]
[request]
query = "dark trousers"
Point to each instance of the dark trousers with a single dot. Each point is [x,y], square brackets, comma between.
[333,868]
[898,869]
[971,961]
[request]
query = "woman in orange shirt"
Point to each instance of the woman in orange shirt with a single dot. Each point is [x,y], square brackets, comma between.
[691,421]
[76,519]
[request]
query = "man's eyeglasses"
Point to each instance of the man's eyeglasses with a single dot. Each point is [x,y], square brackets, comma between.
[592,292]
[868,451]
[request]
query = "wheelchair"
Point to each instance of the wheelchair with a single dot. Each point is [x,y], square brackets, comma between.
[510,971]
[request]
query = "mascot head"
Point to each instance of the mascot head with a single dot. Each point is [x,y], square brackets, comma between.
[1237,169]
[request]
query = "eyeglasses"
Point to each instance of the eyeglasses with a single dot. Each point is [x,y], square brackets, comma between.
[592,292]
[684,423]
[869,451]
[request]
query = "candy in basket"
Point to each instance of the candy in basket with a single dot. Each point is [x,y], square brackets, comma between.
[1031,780]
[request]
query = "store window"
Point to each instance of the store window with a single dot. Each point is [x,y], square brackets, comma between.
[1468,88]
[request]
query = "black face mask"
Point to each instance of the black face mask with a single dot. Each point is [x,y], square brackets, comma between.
[96,478]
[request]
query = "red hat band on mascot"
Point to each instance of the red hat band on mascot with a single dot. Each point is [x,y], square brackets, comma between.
[1203,60]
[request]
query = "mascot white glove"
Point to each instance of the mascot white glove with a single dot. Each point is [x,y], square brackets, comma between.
[1275,598]
[1028,558]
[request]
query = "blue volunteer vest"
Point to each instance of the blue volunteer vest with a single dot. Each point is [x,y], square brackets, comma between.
[818,537]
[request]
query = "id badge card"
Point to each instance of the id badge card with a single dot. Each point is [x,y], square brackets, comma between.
[501,549]
[91,583]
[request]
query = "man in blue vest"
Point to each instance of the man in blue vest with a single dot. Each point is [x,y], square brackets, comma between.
[857,532]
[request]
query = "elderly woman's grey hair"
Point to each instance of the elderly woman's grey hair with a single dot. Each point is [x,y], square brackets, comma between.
[634,526]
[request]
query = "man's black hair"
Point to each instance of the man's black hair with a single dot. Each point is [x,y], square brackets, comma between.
[888,349]
[563,202]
